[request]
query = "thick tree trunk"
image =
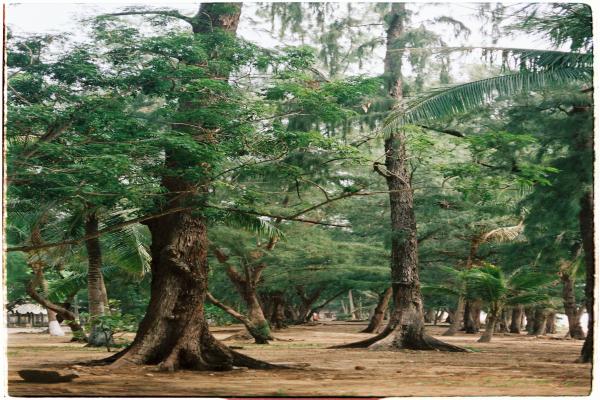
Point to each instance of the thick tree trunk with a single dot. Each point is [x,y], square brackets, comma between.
[406,328]
[306,302]
[278,310]
[468,321]
[515,323]
[174,332]
[490,324]
[539,322]
[551,323]
[96,290]
[379,312]
[571,309]
[456,318]
[586,223]
[502,323]
[429,316]
[351,305]
[530,315]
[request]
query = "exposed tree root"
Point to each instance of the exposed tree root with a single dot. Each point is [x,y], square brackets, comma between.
[363,344]
[386,340]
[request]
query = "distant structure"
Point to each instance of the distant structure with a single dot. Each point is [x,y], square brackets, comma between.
[27,315]
[327,315]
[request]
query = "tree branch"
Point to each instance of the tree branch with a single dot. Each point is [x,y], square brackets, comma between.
[451,132]
[166,13]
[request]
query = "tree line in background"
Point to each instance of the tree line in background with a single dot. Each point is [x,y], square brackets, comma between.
[166,173]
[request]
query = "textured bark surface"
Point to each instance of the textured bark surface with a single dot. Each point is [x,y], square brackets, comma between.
[515,323]
[406,328]
[586,223]
[377,319]
[97,298]
[551,323]
[278,310]
[572,312]
[174,332]
[456,318]
[539,322]
[490,324]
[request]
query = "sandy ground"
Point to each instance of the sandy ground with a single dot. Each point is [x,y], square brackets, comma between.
[509,365]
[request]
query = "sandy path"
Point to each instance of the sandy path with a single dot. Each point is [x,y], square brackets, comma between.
[510,365]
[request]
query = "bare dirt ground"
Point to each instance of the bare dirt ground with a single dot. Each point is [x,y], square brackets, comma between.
[509,365]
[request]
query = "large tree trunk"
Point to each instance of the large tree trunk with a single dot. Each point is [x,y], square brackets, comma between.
[551,323]
[174,332]
[351,305]
[95,282]
[457,317]
[571,309]
[379,312]
[515,323]
[586,223]
[539,322]
[278,310]
[406,328]
[306,303]
[490,324]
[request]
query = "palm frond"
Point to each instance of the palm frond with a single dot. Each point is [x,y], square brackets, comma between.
[251,223]
[503,234]
[464,97]
[527,299]
[60,289]
[127,249]
[438,290]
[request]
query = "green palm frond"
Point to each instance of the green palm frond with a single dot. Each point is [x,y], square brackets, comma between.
[464,97]
[60,289]
[486,283]
[252,224]
[525,281]
[438,290]
[127,249]
[527,299]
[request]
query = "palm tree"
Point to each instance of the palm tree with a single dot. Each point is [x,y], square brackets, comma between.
[538,70]
[492,285]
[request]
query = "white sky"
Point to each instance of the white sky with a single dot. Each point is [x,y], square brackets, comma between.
[62,17]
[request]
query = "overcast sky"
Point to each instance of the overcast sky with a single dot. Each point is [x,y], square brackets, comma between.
[54,17]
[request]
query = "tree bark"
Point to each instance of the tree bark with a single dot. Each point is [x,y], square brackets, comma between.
[95,282]
[306,302]
[406,328]
[551,323]
[377,318]
[457,317]
[174,332]
[278,310]
[351,305]
[586,223]
[515,323]
[570,306]
[490,324]
[539,322]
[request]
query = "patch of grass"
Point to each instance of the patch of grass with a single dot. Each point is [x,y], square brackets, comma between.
[473,349]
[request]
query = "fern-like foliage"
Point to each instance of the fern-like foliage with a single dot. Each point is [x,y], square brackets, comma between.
[540,69]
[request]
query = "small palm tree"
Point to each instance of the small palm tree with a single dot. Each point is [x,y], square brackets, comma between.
[498,290]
